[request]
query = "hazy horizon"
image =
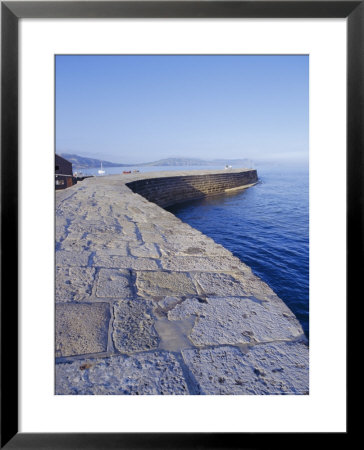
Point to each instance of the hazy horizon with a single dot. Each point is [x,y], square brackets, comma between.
[279,159]
[137,109]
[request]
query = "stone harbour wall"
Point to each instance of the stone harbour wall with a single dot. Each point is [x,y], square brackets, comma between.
[146,304]
[166,191]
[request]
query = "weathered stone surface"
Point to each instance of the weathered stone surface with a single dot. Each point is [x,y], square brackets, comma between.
[183,240]
[144,250]
[133,327]
[235,320]
[191,247]
[145,373]
[194,263]
[152,237]
[125,262]
[219,284]
[74,283]
[192,294]
[168,302]
[128,227]
[255,287]
[279,368]
[96,226]
[120,250]
[76,242]
[101,242]
[81,328]
[160,284]
[115,283]
[72,258]
[174,333]
[61,226]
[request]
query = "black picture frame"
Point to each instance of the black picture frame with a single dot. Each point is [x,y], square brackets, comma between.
[11,12]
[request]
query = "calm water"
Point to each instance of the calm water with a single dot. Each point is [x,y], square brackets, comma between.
[265,226]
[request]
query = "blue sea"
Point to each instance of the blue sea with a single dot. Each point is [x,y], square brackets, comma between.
[266,226]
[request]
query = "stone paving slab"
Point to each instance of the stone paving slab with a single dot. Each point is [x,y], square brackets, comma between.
[277,368]
[72,258]
[144,250]
[191,247]
[120,250]
[74,283]
[76,242]
[95,227]
[116,283]
[151,237]
[161,284]
[155,373]
[218,284]
[198,264]
[127,262]
[109,241]
[81,328]
[255,287]
[231,320]
[168,303]
[133,327]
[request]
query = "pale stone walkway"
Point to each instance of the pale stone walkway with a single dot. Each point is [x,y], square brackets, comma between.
[145,304]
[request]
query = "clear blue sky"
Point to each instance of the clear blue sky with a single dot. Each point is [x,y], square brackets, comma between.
[142,108]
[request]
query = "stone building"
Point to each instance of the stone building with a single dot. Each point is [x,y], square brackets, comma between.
[63,172]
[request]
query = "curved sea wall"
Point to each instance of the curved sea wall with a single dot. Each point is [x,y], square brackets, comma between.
[168,190]
[146,304]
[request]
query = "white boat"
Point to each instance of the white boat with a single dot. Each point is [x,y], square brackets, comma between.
[101,171]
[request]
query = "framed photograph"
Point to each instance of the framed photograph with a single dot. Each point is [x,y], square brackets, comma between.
[198,167]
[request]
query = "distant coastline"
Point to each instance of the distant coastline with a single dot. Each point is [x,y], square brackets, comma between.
[82,162]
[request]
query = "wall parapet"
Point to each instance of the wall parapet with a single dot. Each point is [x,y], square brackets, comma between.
[166,191]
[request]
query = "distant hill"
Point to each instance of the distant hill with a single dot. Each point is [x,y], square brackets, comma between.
[197,162]
[176,162]
[82,162]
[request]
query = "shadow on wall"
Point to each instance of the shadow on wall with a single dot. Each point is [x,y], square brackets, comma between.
[167,191]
